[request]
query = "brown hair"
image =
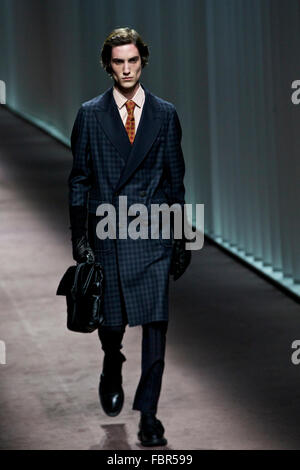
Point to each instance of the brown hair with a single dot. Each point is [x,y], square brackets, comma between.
[118,37]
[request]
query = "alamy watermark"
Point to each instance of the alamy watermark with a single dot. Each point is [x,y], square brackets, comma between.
[2,352]
[2,92]
[295,97]
[139,226]
[295,357]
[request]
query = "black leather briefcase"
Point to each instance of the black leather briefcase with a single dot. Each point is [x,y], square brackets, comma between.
[83,287]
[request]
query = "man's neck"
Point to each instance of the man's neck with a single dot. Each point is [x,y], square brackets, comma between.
[127,93]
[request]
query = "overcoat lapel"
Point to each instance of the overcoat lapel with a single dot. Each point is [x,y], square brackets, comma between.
[150,123]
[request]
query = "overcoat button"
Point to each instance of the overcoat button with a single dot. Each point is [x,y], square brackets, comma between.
[143,193]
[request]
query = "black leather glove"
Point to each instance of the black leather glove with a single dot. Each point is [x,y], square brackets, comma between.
[82,251]
[181,258]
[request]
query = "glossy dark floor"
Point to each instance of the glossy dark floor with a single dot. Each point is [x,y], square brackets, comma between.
[229,382]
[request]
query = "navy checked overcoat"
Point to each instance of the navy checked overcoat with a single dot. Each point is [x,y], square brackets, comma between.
[105,166]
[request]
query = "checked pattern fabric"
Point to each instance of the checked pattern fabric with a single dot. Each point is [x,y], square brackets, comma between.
[130,122]
[136,271]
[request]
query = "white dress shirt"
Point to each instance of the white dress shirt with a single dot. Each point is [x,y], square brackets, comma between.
[138,98]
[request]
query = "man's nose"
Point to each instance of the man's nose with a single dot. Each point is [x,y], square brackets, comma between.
[126,68]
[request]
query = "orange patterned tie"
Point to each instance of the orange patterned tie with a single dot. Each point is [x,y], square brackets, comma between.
[130,123]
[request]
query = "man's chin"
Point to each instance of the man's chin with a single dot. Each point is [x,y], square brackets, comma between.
[126,85]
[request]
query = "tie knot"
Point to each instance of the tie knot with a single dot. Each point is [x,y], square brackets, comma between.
[130,106]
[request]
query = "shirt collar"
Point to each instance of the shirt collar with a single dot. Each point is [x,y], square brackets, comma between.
[138,98]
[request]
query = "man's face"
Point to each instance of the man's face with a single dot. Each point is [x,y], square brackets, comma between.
[126,65]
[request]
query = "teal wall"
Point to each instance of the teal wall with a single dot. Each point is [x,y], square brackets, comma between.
[227,65]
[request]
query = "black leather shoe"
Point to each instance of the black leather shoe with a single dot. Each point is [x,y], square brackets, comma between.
[111,396]
[151,431]
[111,393]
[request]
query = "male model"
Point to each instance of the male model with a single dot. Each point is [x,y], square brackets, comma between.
[127,142]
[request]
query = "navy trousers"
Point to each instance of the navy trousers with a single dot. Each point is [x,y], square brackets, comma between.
[153,354]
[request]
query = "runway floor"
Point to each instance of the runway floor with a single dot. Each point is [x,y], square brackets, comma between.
[229,382]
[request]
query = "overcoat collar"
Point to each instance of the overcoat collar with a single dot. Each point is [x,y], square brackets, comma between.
[110,120]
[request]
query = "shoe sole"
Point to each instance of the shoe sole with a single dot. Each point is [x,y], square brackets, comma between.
[155,442]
